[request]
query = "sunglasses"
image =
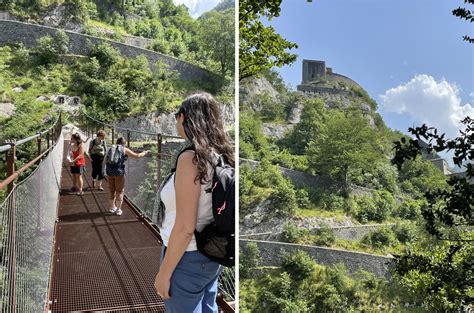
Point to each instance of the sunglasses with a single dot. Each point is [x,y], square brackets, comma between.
[178,113]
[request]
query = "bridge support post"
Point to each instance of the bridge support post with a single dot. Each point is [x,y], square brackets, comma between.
[48,138]
[113,135]
[38,140]
[128,138]
[158,180]
[11,156]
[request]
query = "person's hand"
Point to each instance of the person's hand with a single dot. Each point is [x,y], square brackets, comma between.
[162,285]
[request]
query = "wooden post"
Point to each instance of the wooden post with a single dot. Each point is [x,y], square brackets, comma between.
[128,138]
[38,140]
[113,135]
[11,156]
[47,139]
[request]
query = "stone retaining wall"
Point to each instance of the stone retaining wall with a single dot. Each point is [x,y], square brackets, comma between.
[343,232]
[28,34]
[272,255]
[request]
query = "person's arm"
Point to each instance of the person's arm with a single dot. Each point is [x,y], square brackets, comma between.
[132,154]
[187,200]
[91,145]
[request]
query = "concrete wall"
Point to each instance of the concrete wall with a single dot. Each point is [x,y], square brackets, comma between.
[28,34]
[272,255]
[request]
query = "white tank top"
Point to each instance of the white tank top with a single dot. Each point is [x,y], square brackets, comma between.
[204,216]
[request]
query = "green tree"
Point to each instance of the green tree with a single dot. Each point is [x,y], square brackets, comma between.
[345,142]
[217,36]
[308,129]
[440,268]
[249,259]
[261,47]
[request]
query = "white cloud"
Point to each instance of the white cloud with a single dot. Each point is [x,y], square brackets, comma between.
[427,101]
[197,7]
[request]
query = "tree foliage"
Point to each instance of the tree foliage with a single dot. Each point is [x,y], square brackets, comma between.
[465,14]
[260,46]
[442,273]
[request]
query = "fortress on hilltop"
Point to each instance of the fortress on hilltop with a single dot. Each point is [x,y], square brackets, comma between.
[317,78]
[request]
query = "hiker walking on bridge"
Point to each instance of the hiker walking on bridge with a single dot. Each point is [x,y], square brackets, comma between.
[187,280]
[78,163]
[97,149]
[115,169]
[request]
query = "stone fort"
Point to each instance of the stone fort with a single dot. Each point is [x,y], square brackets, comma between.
[318,78]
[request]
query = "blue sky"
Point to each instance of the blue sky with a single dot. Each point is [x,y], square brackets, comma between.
[198,7]
[408,54]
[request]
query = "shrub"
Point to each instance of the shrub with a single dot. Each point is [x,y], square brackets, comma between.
[299,265]
[333,202]
[249,259]
[376,209]
[324,236]
[409,209]
[105,54]
[405,232]
[382,237]
[292,233]
[302,198]
[283,197]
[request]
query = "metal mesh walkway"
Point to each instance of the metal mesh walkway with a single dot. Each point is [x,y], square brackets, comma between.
[102,262]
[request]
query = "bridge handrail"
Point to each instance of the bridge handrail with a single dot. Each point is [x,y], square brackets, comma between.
[8,146]
[10,150]
[131,130]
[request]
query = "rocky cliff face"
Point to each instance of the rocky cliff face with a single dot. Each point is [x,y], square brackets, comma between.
[166,123]
[334,96]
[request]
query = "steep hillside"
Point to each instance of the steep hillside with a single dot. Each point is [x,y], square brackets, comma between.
[323,157]
[157,25]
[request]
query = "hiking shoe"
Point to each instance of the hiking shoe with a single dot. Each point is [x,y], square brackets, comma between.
[113,210]
[118,212]
[100,188]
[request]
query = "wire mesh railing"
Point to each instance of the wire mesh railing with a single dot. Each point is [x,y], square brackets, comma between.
[143,176]
[27,219]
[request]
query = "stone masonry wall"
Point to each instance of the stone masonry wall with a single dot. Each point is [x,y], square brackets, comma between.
[298,179]
[28,34]
[272,255]
[343,232]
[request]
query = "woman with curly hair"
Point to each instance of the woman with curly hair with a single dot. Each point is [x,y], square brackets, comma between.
[187,280]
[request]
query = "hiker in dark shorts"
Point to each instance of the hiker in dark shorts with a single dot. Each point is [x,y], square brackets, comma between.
[78,163]
[97,150]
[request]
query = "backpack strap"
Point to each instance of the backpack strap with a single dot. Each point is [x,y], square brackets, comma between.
[190,148]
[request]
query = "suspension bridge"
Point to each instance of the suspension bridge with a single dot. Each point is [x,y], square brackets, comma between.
[61,252]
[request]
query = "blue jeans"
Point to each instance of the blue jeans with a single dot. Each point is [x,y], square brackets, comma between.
[193,286]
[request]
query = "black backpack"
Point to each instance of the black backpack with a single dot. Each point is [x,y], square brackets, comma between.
[217,240]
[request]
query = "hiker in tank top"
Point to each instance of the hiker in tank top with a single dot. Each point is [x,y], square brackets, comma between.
[187,280]
[78,163]
[97,150]
[115,168]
